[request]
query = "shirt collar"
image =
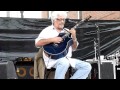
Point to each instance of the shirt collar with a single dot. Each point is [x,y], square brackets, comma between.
[55,29]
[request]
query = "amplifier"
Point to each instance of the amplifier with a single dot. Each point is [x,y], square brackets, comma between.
[105,70]
[25,69]
[108,69]
[118,71]
[7,70]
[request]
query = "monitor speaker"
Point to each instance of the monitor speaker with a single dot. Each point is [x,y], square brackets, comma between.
[104,70]
[108,69]
[7,70]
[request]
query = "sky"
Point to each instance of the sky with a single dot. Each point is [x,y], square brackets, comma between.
[17,14]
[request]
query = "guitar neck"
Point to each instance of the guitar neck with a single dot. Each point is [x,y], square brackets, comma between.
[76,26]
[81,22]
[66,35]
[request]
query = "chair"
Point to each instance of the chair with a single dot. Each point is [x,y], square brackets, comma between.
[39,66]
[49,73]
[41,72]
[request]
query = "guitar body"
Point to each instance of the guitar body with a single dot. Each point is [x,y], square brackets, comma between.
[59,50]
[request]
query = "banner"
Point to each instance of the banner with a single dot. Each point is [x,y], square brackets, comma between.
[17,37]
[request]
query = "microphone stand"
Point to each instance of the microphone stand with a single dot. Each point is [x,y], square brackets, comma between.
[22,16]
[98,50]
[95,49]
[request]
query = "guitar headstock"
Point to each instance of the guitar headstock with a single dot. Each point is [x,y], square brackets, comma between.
[87,18]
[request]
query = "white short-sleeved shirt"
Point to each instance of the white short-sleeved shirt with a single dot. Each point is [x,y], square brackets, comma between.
[50,32]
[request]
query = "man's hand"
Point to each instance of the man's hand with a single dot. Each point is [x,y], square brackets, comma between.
[57,40]
[73,33]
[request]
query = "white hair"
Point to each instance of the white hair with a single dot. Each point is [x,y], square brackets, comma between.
[55,14]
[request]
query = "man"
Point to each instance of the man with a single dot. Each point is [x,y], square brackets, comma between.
[50,35]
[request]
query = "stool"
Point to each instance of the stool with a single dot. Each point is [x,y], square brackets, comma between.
[49,73]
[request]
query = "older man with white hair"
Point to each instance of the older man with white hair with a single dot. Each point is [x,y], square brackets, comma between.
[51,35]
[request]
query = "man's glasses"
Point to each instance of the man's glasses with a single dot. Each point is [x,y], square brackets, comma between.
[60,19]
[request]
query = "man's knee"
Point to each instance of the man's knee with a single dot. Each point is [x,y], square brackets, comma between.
[89,67]
[63,63]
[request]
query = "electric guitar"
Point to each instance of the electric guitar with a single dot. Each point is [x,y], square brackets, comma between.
[59,50]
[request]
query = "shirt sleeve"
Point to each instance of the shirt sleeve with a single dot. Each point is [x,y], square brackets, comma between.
[42,35]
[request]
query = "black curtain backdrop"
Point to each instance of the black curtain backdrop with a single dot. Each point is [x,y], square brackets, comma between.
[17,37]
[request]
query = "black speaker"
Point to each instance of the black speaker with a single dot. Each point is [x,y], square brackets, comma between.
[7,70]
[108,69]
[118,71]
[104,70]
[25,70]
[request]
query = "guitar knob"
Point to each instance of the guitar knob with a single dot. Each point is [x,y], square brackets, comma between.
[56,45]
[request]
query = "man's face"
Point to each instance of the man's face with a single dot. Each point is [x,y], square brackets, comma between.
[59,22]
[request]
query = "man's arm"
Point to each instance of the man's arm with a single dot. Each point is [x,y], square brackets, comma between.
[43,42]
[75,42]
